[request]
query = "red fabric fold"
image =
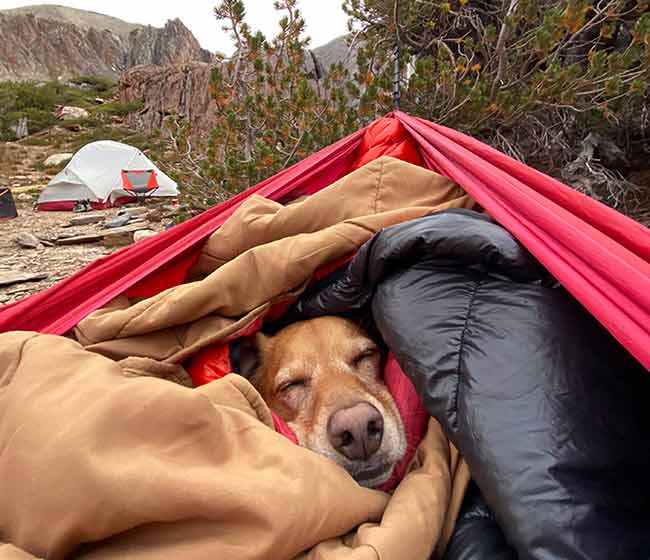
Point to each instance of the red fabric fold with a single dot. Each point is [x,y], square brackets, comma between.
[598,254]
[387,137]
[61,307]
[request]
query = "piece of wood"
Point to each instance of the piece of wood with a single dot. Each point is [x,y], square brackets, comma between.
[86,219]
[7,279]
[119,239]
[129,228]
[134,222]
[137,211]
[115,233]
[80,239]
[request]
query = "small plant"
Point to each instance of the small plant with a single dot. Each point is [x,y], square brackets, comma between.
[118,109]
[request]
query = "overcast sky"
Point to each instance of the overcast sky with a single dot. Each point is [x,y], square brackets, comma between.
[325,18]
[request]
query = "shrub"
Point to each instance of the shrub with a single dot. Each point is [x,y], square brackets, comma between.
[98,84]
[532,76]
[38,101]
[272,110]
[118,108]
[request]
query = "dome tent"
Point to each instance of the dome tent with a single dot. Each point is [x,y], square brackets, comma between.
[95,173]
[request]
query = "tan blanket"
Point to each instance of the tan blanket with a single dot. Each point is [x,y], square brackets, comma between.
[99,459]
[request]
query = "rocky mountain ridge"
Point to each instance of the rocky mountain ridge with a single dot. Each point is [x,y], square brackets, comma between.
[84,19]
[50,42]
[184,89]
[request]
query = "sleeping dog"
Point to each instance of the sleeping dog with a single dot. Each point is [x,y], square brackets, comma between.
[324,378]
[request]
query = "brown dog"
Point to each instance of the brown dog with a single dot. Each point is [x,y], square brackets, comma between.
[323,377]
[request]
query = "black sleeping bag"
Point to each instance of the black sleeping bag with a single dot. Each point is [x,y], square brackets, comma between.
[550,412]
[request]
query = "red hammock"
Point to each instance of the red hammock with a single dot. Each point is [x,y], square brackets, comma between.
[599,255]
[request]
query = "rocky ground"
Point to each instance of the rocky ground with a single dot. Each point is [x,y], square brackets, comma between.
[53,261]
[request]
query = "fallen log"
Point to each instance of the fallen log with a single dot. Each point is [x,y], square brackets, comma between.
[7,279]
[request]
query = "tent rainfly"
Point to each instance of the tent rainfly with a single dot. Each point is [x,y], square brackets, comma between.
[96,174]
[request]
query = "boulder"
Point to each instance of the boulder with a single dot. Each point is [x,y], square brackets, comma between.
[143,234]
[70,113]
[57,159]
[169,90]
[28,240]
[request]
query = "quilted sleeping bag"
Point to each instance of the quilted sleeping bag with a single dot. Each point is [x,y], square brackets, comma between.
[549,411]
[108,451]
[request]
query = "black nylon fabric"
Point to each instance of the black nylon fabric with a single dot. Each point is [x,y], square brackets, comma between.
[477,535]
[550,412]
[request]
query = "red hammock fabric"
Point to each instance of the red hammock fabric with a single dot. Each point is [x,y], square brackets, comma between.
[599,255]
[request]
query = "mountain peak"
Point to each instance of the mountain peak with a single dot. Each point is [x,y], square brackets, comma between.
[47,42]
[83,19]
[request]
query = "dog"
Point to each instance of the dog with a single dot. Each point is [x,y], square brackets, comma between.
[323,377]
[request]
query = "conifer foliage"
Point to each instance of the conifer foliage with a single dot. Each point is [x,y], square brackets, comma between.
[563,85]
[275,104]
[530,76]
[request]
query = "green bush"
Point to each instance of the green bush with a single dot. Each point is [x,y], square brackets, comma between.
[98,84]
[27,99]
[37,119]
[38,101]
[37,141]
[118,109]
[532,77]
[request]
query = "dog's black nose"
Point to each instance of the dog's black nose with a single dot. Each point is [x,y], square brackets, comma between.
[356,432]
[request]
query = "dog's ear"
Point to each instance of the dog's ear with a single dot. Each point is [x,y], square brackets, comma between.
[251,349]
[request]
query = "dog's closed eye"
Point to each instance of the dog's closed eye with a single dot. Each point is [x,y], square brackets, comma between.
[291,392]
[370,353]
[367,361]
[291,384]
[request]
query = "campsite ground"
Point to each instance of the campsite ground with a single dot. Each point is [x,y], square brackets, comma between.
[23,170]
[56,261]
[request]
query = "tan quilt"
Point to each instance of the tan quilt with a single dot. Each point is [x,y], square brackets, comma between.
[104,454]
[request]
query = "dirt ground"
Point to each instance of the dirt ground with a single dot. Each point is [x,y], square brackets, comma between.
[56,261]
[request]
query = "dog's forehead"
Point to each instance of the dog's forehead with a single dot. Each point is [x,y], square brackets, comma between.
[319,335]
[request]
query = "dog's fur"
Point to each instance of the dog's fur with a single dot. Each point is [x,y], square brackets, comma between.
[313,369]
